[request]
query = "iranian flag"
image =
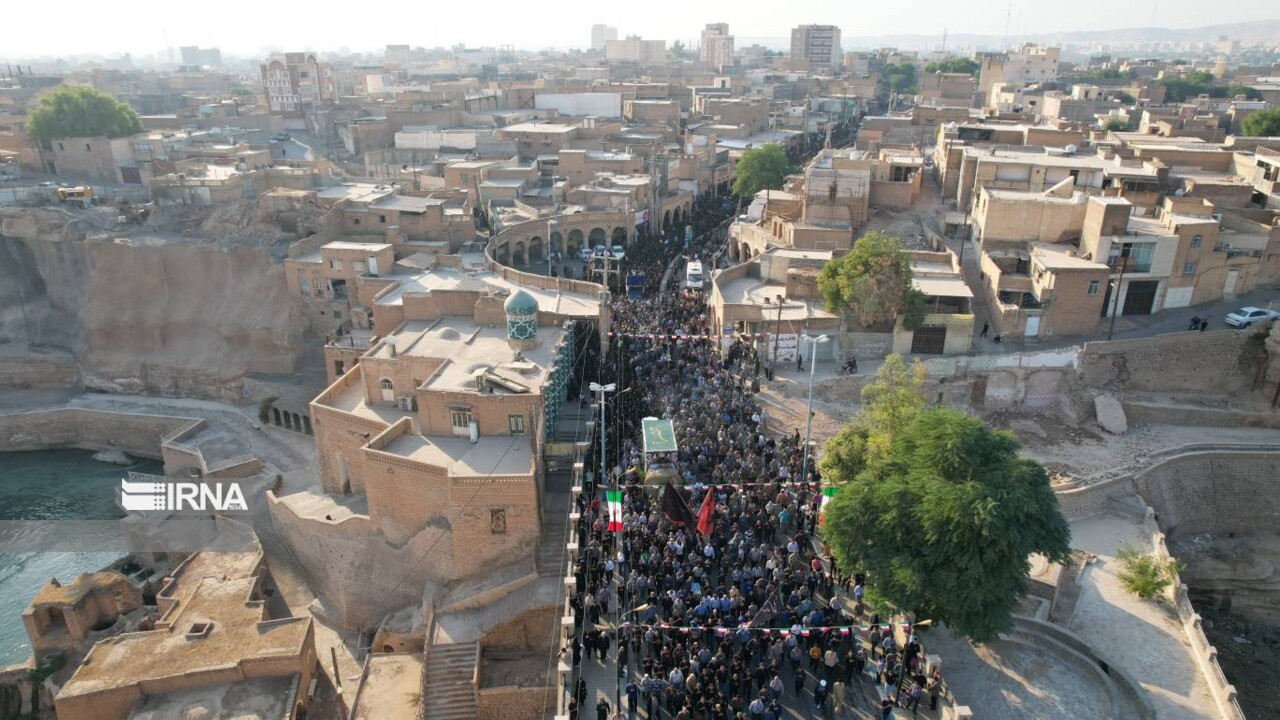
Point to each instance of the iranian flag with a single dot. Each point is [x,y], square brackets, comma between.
[828,492]
[615,509]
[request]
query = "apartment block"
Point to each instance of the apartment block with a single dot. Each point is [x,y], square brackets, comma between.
[635,49]
[716,49]
[601,35]
[297,84]
[1029,64]
[816,47]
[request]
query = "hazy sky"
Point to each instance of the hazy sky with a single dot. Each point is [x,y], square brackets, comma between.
[243,27]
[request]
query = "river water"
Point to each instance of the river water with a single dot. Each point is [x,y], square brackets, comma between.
[51,485]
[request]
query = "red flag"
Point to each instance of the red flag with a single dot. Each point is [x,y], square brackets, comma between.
[704,513]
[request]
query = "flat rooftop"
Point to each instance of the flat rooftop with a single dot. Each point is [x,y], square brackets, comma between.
[467,348]
[754,291]
[391,687]
[406,203]
[494,455]
[551,300]
[546,128]
[348,245]
[1060,258]
[934,286]
[257,699]
[355,192]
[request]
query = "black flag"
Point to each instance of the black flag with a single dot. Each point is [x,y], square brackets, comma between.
[675,507]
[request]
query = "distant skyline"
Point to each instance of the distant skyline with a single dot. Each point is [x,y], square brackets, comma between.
[239,27]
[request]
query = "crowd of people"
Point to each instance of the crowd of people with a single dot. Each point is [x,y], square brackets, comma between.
[711,599]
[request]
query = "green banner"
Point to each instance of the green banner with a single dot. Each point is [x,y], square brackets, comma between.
[659,435]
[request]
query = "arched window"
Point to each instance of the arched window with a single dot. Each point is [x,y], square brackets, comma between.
[386,384]
[1196,240]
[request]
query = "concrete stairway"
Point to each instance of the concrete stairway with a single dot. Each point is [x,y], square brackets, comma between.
[555,524]
[450,685]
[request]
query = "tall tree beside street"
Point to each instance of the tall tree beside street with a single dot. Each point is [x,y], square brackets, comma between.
[889,402]
[1263,123]
[943,523]
[872,283]
[968,66]
[77,111]
[762,168]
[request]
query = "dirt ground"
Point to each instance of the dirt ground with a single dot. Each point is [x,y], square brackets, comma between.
[522,668]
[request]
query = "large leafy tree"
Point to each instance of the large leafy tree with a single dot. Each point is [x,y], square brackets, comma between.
[760,168]
[77,111]
[889,403]
[944,523]
[968,66]
[872,282]
[1264,123]
[899,78]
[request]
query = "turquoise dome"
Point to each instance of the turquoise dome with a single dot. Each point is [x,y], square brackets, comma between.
[520,303]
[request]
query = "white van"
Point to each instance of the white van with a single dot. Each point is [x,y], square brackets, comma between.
[693,275]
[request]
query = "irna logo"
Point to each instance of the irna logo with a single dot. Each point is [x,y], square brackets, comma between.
[180,495]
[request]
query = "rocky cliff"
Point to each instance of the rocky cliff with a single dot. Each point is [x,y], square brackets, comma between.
[145,313]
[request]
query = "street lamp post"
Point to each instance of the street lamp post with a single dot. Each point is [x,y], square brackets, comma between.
[551,228]
[600,390]
[813,343]
[1115,296]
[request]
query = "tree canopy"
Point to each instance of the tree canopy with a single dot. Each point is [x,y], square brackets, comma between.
[77,111]
[760,168]
[1263,123]
[943,521]
[899,78]
[872,282]
[1249,92]
[968,66]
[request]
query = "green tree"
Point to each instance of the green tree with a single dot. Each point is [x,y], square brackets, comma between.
[1189,85]
[872,282]
[1144,574]
[968,66]
[889,403]
[1263,123]
[677,50]
[899,78]
[943,524]
[78,111]
[1249,93]
[760,168]
[1116,124]
[240,90]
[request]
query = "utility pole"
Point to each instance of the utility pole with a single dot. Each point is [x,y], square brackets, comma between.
[773,364]
[1115,296]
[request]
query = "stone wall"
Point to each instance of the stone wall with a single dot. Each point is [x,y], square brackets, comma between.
[1165,414]
[88,429]
[1174,362]
[38,372]
[1218,492]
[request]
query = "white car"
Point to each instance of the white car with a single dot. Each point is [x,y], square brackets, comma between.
[584,253]
[618,252]
[1244,317]
[600,251]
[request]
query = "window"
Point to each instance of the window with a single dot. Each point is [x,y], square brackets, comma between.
[515,423]
[1196,240]
[1221,246]
[382,219]
[385,384]
[1094,286]
[460,418]
[498,521]
[335,264]
[358,266]
[304,285]
[1189,268]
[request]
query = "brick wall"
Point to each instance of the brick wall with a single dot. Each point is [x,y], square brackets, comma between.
[89,429]
[42,372]
[1174,362]
[514,703]
[1219,492]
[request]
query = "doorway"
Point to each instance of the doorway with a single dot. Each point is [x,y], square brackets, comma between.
[1033,326]
[1140,297]
[1229,289]
[929,340]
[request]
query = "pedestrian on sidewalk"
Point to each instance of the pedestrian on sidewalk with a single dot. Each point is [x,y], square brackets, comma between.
[1195,323]
[1204,324]
[985,327]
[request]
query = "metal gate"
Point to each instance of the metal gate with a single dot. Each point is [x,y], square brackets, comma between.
[1140,296]
[929,340]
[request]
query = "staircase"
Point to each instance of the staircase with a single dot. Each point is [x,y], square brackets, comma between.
[555,525]
[450,685]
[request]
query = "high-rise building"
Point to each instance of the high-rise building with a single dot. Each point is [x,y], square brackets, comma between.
[818,46]
[193,56]
[601,35]
[717,46]
[297,85]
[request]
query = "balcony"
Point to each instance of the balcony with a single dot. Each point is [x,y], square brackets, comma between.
[1131,265]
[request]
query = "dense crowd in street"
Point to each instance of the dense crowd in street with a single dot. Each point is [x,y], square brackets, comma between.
[706,592]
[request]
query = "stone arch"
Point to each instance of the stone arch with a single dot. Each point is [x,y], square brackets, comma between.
[276,411]
[297,422]
[517,253]
[575,240]
[535,249]
[745,255]
[619,236]
[557,241]
[597,236]
[502,254]
[666,222]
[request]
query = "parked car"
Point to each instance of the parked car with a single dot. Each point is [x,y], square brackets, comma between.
[584,253]
[281,137]
[600,251]
[618,252]
[1246,316]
